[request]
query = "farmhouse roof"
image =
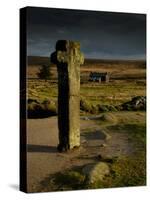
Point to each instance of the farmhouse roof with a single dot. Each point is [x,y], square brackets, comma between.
[97,74]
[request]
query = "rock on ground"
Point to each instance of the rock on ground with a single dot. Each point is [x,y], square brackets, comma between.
[96,172]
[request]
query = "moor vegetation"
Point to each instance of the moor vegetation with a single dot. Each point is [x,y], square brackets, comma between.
[125,170]
[120,106]
[127,81]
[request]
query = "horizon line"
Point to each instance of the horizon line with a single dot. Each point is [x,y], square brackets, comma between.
[111,59]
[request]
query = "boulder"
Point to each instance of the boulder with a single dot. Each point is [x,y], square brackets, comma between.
[96,172]
[137,103]
[108,118]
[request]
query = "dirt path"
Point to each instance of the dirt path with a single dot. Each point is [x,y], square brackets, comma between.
[44,160]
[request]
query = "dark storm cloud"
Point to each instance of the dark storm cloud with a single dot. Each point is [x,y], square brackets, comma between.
[102,34]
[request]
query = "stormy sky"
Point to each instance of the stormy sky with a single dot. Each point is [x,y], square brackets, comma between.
[103,35]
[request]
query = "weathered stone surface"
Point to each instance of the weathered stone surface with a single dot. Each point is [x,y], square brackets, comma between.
[96,172]
[68,59]
[137,103]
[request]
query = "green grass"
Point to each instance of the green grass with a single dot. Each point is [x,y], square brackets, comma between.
[41,90]
[109,94]
[136,132]
[63,181]
[95,98]
[125,171]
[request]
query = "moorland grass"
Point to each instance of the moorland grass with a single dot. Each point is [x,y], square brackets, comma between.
[104,94]
[124,170]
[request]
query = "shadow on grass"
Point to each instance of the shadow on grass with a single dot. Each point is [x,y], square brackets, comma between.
[41,148]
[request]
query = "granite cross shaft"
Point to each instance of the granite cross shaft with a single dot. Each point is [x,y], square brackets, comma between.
[68,59]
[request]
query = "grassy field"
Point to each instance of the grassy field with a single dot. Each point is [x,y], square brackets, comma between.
[127,80]
[126,128]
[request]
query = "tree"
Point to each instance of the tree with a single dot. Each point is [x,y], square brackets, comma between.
[44,72]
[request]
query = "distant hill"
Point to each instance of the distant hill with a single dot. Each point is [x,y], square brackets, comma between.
[103,61]
[38,60]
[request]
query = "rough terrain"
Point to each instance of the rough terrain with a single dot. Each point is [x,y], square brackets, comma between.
[96,141]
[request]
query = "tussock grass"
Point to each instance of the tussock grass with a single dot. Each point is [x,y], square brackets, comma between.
[63,181]
[125,171]
[104,94]
[42,109]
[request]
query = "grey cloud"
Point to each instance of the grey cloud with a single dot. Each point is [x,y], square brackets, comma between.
[102,34]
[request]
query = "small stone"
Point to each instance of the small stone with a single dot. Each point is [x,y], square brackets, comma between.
[86,118]
[83,141]
[103,145]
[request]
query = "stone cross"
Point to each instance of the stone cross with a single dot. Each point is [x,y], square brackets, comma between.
[68,59]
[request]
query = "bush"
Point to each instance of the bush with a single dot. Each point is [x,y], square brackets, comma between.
[44,72]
